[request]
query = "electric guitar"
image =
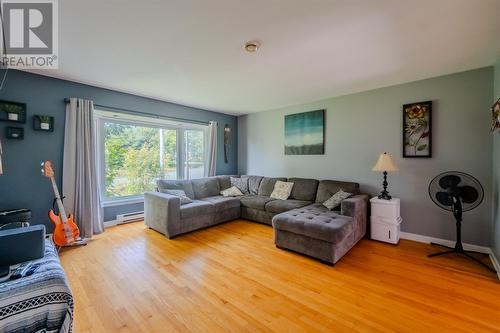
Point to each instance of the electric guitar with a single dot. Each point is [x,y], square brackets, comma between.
[66,232]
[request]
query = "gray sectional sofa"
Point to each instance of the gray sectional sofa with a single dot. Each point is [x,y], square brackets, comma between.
[301,223]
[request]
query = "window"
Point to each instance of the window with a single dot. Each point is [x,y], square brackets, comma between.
[134,152]
[194,164]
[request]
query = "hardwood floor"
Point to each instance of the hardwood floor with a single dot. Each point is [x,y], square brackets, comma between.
[231,278]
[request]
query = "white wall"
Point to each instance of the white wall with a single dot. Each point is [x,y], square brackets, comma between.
[361,126]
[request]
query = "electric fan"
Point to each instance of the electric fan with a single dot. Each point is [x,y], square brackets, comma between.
[457,192]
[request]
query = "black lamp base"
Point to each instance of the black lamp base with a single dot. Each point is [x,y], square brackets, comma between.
[384,195]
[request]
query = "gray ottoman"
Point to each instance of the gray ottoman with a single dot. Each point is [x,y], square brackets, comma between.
[320,233]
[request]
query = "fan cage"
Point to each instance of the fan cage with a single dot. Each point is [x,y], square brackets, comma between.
[466,180]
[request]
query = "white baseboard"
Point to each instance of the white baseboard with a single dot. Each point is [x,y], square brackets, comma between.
[495,263]
[450,243]
[111,223]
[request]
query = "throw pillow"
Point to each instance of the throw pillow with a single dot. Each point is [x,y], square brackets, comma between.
[179,193]
[336,199]
[240,183]
[282,190]
[233,191]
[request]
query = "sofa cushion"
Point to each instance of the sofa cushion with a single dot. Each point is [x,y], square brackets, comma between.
[196,208]
[336,199]
[205,187]
[241,183]
[185,185]
[304,188]
[327,188]
[233,191]
[253,184]
[178,193]
[224,181]
[280,206]
[282,190]
[316,222]
[266,186]
[221,203]
[255,201]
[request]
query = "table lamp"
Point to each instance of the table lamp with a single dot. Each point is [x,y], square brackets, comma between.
[385,164]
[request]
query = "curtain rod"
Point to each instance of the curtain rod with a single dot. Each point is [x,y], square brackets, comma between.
[151,115]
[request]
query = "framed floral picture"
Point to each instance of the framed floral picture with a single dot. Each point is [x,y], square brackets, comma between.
[417,129]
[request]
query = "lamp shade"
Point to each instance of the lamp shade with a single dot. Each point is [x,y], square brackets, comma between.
[385,163]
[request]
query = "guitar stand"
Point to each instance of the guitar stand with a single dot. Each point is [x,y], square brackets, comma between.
[460,250]
[78,242]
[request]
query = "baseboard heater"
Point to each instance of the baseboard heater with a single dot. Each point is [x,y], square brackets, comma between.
[129,217]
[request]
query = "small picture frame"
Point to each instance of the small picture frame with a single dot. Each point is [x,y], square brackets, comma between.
[15,133]
[417,130]
[43,123]
[13,112]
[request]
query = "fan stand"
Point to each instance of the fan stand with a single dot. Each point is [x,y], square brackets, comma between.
[459,248]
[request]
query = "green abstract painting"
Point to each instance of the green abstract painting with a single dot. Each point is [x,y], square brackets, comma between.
[305,133]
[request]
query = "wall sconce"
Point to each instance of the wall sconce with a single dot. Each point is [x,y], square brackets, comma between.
[495,116]
[227,132]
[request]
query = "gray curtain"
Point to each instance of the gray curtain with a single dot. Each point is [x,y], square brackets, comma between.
[80,178]
[212,148]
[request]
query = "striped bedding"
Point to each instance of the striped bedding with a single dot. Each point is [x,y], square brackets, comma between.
[41,302]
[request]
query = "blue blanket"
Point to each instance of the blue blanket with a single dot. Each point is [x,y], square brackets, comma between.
[41,302]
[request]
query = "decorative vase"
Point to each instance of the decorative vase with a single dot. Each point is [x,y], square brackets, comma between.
[13,116]
[45,126]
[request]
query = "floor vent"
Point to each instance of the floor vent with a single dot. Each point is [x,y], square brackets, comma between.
[129,217]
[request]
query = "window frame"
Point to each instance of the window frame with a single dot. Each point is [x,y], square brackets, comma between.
[102,116]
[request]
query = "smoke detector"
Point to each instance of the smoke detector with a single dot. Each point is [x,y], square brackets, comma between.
[252,46]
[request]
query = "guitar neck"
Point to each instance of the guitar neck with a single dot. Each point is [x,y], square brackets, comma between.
[60,206]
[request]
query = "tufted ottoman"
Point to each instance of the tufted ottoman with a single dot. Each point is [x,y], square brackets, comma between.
[320,233]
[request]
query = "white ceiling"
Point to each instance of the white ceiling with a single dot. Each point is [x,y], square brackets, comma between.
[191,51]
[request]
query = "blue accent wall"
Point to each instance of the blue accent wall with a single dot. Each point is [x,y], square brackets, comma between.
[22,184]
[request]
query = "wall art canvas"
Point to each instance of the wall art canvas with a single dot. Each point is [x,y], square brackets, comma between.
[417,129]
[305,133]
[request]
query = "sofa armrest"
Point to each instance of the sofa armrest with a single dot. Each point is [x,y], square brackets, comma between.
[357,208]
[162,212]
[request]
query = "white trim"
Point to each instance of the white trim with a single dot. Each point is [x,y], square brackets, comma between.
[122,201]
[495,263]
[450,243]
[111,223]
[145,121]
[130,217]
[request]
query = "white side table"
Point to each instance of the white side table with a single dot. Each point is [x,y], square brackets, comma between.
[385,220]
